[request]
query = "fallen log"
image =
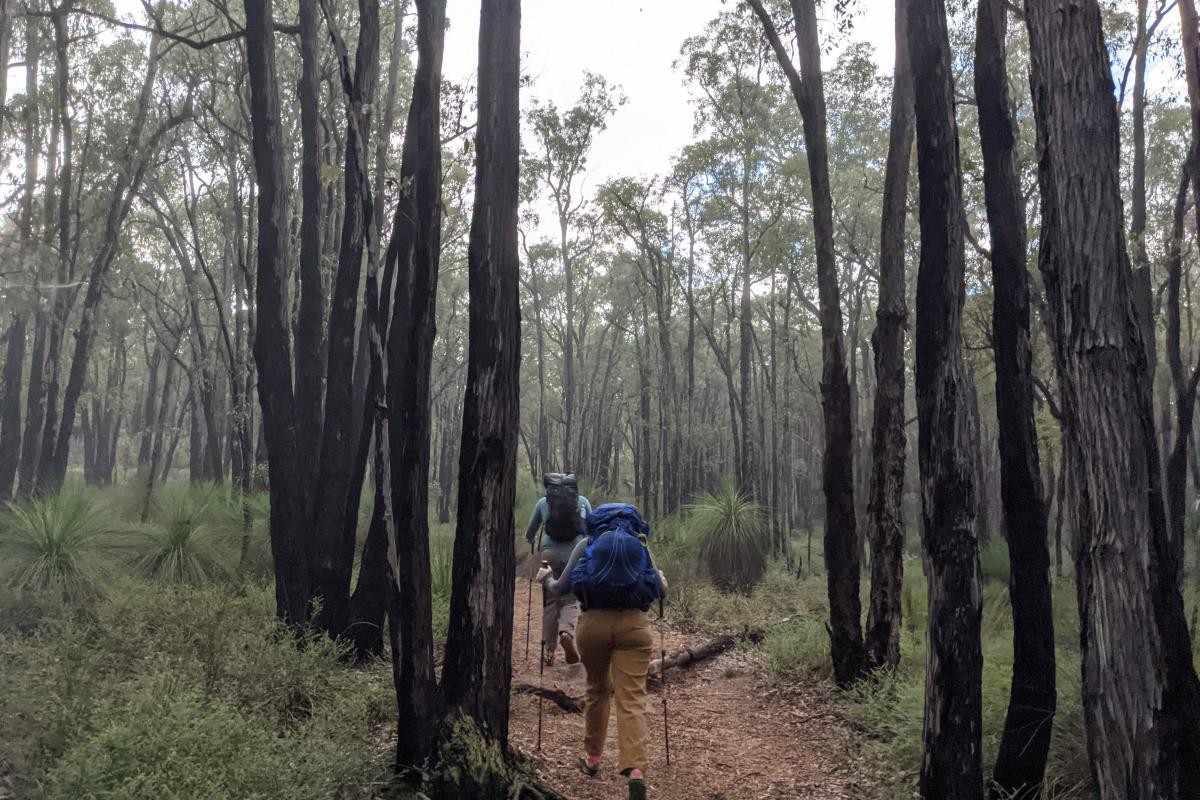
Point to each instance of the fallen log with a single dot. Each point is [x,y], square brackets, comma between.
[687,656]
[566,702]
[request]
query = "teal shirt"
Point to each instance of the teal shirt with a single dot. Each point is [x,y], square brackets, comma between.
[541,513]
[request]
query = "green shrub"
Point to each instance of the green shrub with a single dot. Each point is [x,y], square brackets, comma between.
[733,536]
[993,562]
[62,541]
[170,744]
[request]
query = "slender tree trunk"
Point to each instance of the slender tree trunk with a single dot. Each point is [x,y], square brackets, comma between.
[10,404]
[478,663]
[335,542]
[953,707]
[290,539]
[841,531]
[1025,744]
[1139,685]
[1143,291]
[888,439]
[414,249]
[310,322]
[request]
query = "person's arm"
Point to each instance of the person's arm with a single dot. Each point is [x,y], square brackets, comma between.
[562,585]
[535,520]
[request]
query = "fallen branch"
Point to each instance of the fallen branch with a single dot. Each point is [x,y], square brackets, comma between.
[566,702]
[687,656]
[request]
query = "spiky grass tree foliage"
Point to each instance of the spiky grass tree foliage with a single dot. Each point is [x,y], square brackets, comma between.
[61,541]
[734,538]
[190,537]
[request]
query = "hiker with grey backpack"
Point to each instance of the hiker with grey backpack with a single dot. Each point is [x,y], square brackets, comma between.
[614,577]
[562,517]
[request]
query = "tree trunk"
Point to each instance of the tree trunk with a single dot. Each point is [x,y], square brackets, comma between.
[335,542]
[414,250]
[1025,743]
[841,531]
[478,663]
[951,767]
[1139,685]
[310,321]
[290,540]
[1143,291]
[888,439]
[56,441]
[10,405]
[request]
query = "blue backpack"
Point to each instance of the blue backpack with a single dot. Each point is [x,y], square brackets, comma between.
[615,570]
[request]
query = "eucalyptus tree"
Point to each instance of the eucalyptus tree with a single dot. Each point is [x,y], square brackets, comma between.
[555,159]
[1139,682]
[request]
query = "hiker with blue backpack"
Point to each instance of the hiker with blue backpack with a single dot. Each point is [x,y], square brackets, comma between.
[614,577]
[562,517]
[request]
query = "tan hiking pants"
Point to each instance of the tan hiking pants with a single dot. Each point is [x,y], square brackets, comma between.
[615,647]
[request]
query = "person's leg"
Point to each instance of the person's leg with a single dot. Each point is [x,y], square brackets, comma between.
[550,623]
[568,616]
[595,649]
[633,644]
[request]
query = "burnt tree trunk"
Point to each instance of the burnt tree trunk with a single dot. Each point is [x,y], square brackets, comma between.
[1025,743]
[1139,685]
[951,767]
[885,527]
[10,406]
[414,249]
[336,489]
[272,342]
[477,671]
[310,321]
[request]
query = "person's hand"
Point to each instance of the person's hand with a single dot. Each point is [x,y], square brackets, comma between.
[542,574]
[662,579]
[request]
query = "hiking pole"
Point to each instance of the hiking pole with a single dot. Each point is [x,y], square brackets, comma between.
[662,648]
[541,677]
[529,606]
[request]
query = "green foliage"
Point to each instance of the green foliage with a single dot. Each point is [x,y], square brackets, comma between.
[169,744]
[733,536]
[993,562]
[62,541]
[191,537]
[99,694]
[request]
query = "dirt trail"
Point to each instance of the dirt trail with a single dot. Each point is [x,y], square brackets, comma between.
[733,736]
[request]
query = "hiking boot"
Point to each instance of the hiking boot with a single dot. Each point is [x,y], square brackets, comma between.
[550,659]
[589,765]
[568,645]
[637,789]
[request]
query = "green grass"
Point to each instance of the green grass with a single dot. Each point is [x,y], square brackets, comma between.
[63,542]
[733,538]
[191,537]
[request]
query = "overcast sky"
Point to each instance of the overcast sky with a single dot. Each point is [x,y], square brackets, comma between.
[632,43]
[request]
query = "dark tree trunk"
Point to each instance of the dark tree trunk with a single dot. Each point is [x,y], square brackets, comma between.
[10,404]
[841,531]
[334,541]
[1143,291]
[310,322]
[477,671]
[414,251]
[888,439]
[1025,743]
[272,342]
[1140,691]
[951,767]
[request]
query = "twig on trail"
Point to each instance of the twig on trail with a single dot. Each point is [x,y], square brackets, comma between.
[560,698]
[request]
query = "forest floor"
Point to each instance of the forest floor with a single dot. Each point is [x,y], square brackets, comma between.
[735,735]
